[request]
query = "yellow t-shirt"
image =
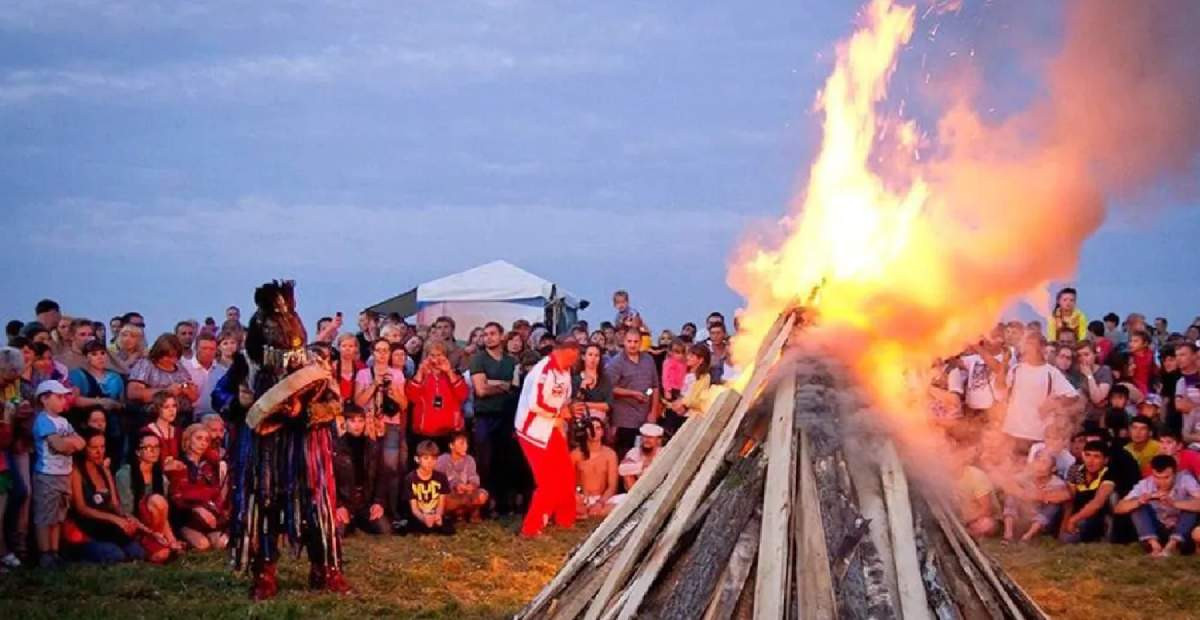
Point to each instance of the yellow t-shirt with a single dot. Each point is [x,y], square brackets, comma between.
[1148,451]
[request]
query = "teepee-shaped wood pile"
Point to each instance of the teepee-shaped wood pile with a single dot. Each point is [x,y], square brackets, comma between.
[768,506]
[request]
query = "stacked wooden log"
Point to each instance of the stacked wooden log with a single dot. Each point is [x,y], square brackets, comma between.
[781,501]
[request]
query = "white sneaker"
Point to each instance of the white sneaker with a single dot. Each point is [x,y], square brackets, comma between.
[10,561]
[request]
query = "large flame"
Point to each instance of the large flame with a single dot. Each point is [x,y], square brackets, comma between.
[911,259]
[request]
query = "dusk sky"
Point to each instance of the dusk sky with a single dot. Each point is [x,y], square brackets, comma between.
[168,157]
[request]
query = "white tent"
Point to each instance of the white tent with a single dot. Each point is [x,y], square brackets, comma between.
[496,291]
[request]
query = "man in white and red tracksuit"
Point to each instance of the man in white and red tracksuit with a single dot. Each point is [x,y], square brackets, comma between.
[545,399]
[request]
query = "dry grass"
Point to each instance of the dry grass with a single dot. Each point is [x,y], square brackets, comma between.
[487,572]
[1100,581]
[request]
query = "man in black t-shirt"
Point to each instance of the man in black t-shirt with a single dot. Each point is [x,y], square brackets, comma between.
[1089,496]
[493,375]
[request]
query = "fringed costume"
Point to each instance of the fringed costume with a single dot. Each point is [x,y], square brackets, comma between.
[282,451]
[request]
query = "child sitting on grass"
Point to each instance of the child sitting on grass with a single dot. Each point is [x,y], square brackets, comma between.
[465,499]
[425,491]
[1036,498]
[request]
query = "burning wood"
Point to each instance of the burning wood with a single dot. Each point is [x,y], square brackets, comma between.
[781,507]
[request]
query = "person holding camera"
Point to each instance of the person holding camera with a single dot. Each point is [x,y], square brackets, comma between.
[437,393]
[380,391]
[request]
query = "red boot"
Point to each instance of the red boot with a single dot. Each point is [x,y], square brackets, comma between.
[265,585]
[335,582]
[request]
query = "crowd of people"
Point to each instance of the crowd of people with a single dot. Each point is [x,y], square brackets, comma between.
[1082,430]
[117,447]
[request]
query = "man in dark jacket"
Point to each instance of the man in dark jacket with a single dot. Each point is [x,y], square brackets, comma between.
[356,468]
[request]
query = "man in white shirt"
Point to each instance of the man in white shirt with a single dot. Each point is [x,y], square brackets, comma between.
[545,399]
[201,366]
[1037,392]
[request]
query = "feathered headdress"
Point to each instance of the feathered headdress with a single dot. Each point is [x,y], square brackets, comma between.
[264,296]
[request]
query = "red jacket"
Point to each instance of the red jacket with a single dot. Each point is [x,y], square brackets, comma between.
[428,418]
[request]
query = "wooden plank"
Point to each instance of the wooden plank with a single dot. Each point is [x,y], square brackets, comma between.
[913,604]
[645,487]
[991,599]
[663,503]
[733,580]
[815,598]
[771,589]
[714,458]
[868,487]
[982,561]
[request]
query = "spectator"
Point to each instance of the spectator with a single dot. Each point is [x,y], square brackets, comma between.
[598,338]
[635,391]
[143,492]
[543,406]
[1141,361]
[215,425]
[1037,392]
[19,411]
[465,498]
[48,314]
[1142,444]
[1187,391]
[1064,361]
[494,377]
[100,387]
[695,395]
[196,494]
[674,368]
[110,534]
[620,302]
[1037,499]
[1090,496]
[40,366]
[975,375]
[1066,316]
[54,443]
[425,491]
[130,348]
[443,331]
[1097,380]
[596,472]
[718,346]
[1151,407]
[591,386]
[415,348]
[1116,418]
[347,366]
[639,458]
[228,345]
[437,393]
[360,494]
[380,393]
[1096,335]
[714,318]
[1163,507]
[162,372]
[687,332]
[1055,447]
[8,410]
[976,499]
[185,331]
[82,332]
[1170,444]
[164,413]
[368,332]
[12,329]
[200,367]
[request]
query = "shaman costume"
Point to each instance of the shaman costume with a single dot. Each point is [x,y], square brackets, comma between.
[282,452]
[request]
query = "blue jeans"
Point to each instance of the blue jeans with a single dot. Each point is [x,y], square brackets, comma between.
[393,458]
[99,552]
[1090,529]
[1149,527]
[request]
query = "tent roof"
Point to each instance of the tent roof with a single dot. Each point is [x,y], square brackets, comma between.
[498,280]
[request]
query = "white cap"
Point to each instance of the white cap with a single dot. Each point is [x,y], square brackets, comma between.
[651,430]
[51,387]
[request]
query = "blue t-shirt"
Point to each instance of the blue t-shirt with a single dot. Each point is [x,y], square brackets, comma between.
[46,460]
[110,387]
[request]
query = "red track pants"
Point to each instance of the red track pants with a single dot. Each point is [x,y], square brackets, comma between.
[554,475]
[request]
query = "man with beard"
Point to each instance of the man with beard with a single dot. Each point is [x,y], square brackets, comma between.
[638,459]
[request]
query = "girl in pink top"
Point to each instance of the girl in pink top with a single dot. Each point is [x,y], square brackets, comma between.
[674,370]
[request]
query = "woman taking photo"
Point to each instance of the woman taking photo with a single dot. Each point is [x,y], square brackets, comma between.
[109,535]
[196,494]
[591,386]
[697,384]
[161,372]
[380,392]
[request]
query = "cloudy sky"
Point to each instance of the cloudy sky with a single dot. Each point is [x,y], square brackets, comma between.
[167,156]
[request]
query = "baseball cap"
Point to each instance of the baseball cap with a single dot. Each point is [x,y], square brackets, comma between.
[51,386]
[1153,400]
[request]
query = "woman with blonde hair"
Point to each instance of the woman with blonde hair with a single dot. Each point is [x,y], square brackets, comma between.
[128,348]
[195,493]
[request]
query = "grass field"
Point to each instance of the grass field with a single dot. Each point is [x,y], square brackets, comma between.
[487,572]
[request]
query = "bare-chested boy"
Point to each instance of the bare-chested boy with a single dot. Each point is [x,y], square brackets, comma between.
[596,473]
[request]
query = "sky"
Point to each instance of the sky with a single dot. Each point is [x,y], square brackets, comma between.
[167,157]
